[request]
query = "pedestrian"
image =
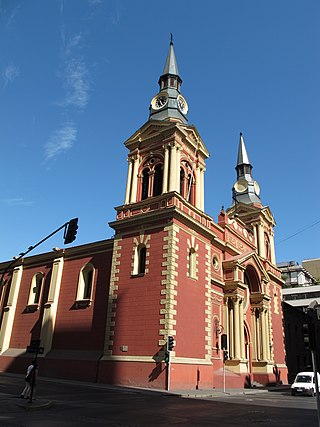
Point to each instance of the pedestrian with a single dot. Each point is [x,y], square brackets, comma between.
[30,380]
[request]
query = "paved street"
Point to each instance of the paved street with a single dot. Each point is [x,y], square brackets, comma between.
[61,403]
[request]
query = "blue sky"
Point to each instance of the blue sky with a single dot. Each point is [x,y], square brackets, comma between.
[77,78]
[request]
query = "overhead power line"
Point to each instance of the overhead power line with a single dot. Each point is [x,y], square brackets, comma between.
[300,231]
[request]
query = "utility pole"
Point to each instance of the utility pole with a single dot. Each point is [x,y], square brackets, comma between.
[313,311]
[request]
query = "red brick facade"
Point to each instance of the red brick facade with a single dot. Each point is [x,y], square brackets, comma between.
[104,311]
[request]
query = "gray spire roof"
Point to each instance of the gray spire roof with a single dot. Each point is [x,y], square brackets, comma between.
[242,153]
[169,104]
[246,189]
[171,66]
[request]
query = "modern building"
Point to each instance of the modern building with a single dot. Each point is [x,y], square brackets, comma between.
[105,311]
[313,266]
[299,291]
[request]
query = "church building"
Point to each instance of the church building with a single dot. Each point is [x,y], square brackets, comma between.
[175,300]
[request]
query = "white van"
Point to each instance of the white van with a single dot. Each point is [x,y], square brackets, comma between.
[304,384]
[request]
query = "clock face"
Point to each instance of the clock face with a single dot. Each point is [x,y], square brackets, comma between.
[182,104]
[241,185]
[159,101]
[257,188]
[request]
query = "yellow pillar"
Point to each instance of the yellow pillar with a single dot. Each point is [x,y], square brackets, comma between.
[264,335]
[134,185]
[51,307]
[10,310]
[129,182]
[165,170]
[254,334]
[241,325]
[262,251]
[231,331]
[236,333]
[172,174]
[272,249]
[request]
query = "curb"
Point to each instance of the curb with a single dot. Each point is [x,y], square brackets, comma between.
[35,406]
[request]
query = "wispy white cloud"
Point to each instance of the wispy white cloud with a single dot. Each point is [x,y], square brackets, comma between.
[61,140]
[10,73]
[12,15]
[115,15]
[75,74]
[93,2]
[18,201]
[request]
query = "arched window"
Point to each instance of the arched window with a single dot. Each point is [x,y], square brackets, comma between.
[267,246]
[35,290]
[85,284]
[192,263]
[158,177]
[145,184]
[140,257]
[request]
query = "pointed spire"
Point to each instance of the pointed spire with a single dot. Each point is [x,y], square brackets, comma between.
[169,104]
[171,66]
[242,153]
[245,190]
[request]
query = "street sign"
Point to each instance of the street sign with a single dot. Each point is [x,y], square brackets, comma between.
[35,343]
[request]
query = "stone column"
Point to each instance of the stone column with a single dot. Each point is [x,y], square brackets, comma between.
[177,181]
[226,317]
[231,331]
[134,185]
[264,335]
[272,249]
[165,170]
[198,188]
[254,334]
[242,349]
[258,331]
[202,189]
[129,182]
[51,306]
[172,173]
[236,332]
[10,309]
[262,251]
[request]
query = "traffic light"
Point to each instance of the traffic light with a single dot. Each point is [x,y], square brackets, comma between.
[166,357]
[224,342]
[170,343]
[71,231]
[225,355]
[305,332]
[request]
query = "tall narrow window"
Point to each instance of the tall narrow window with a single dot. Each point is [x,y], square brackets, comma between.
[145,184]
[158,177]
[35,290]
[142,260]
[85,284]
[140,256]
[192,263]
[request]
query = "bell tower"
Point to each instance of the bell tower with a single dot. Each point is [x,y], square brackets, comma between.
[166,154]
[247,206]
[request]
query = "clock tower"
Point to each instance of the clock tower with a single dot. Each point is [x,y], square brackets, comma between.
[177,275]
[169,103]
